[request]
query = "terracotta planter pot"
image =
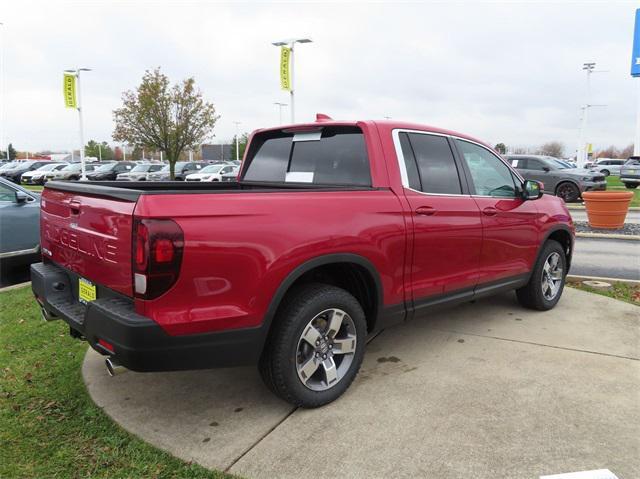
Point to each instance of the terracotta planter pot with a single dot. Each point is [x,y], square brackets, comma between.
[607,209]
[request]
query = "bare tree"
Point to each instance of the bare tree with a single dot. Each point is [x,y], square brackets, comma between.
[552,148]
[627,152]
[168,118]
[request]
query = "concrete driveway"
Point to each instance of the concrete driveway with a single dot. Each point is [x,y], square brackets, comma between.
[484,390]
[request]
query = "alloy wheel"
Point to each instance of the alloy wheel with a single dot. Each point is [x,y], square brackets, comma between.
[552,276]
[326,349]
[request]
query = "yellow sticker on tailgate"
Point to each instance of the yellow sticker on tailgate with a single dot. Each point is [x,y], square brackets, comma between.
[86,290]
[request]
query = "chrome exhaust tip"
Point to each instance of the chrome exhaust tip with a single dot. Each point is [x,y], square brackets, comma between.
[47,316]
[114,367]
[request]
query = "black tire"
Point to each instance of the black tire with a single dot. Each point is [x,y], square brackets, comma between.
[568,191]
[279,362]
[74,178]
[605,172]
[631,186]
[531,296]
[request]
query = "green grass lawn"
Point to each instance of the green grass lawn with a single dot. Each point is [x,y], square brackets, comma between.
[49,427]
[33,187]
[614,184]
[622,291]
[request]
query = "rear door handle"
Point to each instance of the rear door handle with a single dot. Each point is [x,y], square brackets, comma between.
[490,211]
[425,210]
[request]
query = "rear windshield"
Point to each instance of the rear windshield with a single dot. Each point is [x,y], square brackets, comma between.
[331,156]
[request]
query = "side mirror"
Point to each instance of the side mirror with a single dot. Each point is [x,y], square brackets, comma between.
[21,197]
[532,190]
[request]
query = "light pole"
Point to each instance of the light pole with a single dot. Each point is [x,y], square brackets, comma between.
[291,42]
[76,72]
[582,148]
[3,145]
[280,105]
[237,123]
[99,152]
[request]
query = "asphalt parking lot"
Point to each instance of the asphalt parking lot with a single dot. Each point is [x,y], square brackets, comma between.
[484,390]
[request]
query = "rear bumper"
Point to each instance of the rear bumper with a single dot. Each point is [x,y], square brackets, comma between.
[138,342]
[630,179]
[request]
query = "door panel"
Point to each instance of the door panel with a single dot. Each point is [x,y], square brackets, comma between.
[510,224]
[447,229]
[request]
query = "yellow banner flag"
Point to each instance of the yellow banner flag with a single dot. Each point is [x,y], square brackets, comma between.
[69,90]
[285,77]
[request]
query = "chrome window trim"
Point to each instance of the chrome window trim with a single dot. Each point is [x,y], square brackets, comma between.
[395,133]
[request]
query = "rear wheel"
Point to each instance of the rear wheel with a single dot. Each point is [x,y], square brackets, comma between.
[316,347]
[568,192]
[631,186]
[605,172]
[546,284]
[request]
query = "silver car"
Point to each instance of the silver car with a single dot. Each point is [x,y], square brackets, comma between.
[140,172]
[39,176]
[559,177]
[630,172]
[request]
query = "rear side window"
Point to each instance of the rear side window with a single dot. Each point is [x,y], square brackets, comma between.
[333,156]
[434,164]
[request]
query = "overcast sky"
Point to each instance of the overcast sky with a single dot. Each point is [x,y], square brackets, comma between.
[498,71]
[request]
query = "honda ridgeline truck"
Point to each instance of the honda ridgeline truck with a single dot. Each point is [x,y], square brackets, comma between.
[333,231]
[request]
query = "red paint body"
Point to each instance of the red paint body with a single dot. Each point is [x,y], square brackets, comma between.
[240,247]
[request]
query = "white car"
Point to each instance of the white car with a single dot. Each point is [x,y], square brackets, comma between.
[211,173]
[608,166]
[39,176]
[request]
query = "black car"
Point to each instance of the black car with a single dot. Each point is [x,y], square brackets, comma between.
[15,173]
[109,171]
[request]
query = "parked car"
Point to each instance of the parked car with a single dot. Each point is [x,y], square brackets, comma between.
[140,172]
[211,173]
[72,171]
[182,169]
[608,166]
[38,177]
[630,172]
[335,230]
[232,175]
[109,171]
[558,177]
[19,167]
[19,225]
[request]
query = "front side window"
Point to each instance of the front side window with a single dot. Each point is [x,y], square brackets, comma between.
[331,156]
[7,194]
[490,176]
[430,164]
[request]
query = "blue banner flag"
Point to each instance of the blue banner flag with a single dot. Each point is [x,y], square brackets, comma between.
[635,55]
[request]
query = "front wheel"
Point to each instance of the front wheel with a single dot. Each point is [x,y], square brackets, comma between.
[605,172]
[546,284]
[316,347]
[568,192]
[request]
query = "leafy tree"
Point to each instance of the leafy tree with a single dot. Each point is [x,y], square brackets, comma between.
[13,154]
[552,148]
[501,148]
[160,116]
[98,150]
[242,145]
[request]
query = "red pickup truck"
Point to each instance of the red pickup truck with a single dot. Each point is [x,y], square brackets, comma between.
[334,230]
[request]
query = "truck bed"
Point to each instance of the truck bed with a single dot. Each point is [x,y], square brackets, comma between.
[132,190]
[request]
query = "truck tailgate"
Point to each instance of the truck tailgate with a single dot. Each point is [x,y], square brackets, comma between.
[90,236]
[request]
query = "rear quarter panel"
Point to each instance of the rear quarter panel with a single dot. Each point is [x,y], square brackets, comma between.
[240,247]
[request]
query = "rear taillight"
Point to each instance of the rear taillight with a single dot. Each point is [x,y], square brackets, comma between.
[157,249]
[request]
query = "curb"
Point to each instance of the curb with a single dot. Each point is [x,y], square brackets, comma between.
[15,286]
[582,207]
[608,236]
[579,277]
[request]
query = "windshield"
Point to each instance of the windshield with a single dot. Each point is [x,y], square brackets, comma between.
[107,167]
[7,166]
[211,169]
[559,164]
[53,166]
[141,168]
[633,161]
